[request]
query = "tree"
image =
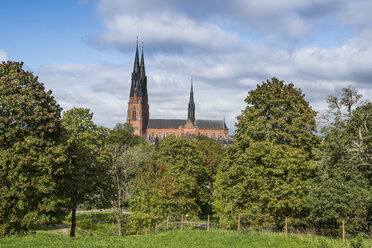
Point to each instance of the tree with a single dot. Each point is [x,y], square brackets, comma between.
[173,183]
[342,190]
[122,134]
[88,160]
[129,154]
[212,155]
[264,175]
[31,151]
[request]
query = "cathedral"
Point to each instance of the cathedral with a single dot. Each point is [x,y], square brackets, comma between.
[138,114]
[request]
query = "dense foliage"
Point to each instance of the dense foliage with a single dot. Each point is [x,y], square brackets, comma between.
[88,160]
[264,175]
[342,190]
[178,180]
[129,155]
[31,151]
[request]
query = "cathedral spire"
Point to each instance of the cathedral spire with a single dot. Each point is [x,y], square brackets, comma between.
[191,112]
[139,83]
[142,67]
[136,60]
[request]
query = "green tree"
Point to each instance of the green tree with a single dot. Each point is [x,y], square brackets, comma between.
[122,134]
[264,175]
[129,154]
[31,151]
[172,184]
[342,189]
[212,154]
[88,160]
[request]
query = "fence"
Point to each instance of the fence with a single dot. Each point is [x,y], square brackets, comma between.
[335,229]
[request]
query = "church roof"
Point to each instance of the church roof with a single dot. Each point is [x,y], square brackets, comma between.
[176,123]
[166,123]
[211,124]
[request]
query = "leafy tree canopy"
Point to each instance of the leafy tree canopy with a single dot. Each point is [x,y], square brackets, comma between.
[279,113]
[342,190]
[88,159]
[129,155]
[31,153]
[122,134]
[263,177]
[173,183]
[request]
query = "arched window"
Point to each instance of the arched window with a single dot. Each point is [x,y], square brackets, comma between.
[134,113]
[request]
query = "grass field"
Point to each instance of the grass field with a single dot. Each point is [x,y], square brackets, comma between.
[97,230]
[189,238]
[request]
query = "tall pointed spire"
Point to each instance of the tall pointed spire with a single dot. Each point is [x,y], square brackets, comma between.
[191,112]
[138,107]
[142,68]
[136,60]
[139,83]
[191,94]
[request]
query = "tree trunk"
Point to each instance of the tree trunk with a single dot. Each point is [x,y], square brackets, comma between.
[119,224]
[119,214]
[73,221]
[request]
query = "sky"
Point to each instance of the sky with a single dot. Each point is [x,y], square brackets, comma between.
[83,50]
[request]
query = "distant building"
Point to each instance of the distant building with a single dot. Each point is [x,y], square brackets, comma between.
[139,114]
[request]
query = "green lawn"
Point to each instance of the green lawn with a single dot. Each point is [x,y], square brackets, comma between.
[98,230]
[189,238]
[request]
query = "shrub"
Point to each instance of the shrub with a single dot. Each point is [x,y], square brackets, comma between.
[357,242]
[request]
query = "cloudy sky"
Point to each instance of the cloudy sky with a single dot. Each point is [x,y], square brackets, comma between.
[83,51]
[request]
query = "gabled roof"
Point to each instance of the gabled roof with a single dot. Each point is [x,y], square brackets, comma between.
[176,123]
[211,124]
[166,123]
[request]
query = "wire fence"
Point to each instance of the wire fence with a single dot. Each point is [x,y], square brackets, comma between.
[338,229]
[330,228]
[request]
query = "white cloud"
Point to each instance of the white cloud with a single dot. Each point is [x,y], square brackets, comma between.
[167,32]
[3,55]
[208,39]
[221,81]
[349,62]
[101,88]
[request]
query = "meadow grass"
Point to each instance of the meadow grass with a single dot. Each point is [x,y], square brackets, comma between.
[188,238]
[98,230]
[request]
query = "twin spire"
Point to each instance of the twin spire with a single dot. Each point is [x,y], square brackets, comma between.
[139,80]
[139,84]
[137,67]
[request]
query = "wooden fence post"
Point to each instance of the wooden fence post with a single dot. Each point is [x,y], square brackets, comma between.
[167,223]
[343,230]
[239,222]
[286,227]
[208,224]
[181,222]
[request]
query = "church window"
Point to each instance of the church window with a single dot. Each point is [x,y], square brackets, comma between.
[134,113]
